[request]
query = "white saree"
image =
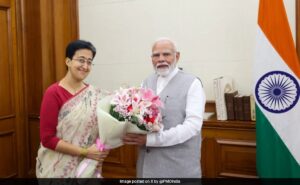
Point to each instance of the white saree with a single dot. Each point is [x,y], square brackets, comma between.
[77,124]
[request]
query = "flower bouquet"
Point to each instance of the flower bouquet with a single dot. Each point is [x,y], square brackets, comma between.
[138,106]
[131,110]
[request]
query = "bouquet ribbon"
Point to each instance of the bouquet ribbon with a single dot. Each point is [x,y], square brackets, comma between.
[82,167]
[101,147]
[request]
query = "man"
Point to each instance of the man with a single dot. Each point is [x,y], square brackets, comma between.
[175,150]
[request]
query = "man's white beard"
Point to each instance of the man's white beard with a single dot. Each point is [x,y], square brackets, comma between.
[165,71]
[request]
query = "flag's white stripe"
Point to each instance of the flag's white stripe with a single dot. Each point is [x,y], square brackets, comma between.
[287,124]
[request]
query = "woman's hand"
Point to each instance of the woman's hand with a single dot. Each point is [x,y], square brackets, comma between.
[94,153]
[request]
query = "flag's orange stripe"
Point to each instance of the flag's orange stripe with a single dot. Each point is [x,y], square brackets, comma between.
[273,21]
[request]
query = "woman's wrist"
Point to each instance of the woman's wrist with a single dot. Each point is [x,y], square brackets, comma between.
[83,152]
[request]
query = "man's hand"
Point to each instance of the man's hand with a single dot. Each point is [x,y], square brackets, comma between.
[135,139]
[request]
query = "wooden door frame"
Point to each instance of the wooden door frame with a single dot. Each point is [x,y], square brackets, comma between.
[56,25]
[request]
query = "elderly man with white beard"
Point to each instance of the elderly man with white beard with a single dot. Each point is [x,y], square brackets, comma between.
[174,151]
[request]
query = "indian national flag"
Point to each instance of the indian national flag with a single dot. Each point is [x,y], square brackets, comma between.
[276,75]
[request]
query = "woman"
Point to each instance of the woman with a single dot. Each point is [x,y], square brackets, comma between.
[68,122]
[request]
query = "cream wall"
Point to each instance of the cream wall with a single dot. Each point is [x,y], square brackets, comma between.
[215,38]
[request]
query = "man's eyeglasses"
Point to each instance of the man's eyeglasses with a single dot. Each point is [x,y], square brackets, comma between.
[82,61]
[164,54]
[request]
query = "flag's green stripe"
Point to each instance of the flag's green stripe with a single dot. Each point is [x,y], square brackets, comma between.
[273,159]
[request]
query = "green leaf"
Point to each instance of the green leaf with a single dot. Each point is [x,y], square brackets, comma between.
[115,114]
[119,117]
[135,120]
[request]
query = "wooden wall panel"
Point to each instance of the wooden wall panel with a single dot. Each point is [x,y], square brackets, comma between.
[5,3]
[8,159]
[32,55]
[121,163]
[228,149]
[33,142]
[6,87]
[236,158]
[12,135]
[47,44]
[65,29]
[208,166]
[32,52]
[47,28]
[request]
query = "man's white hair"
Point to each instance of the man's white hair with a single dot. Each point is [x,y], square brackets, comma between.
[165,39]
